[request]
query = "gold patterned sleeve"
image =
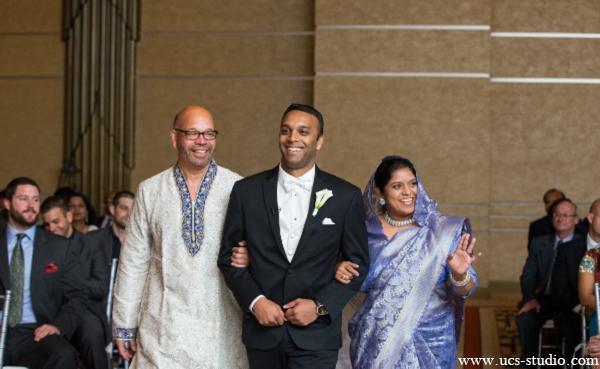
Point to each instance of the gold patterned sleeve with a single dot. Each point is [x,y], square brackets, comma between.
[587,265]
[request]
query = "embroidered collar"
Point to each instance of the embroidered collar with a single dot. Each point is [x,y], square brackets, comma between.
[192,226]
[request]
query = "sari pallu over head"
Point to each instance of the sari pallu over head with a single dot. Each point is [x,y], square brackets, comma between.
[402,279]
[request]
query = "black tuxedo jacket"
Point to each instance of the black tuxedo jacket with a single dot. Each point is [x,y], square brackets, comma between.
[96,271]
[58,298]
[536,272]
[252,215]
[565,275]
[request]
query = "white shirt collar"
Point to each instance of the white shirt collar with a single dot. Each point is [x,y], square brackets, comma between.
[289,182]
[591,244]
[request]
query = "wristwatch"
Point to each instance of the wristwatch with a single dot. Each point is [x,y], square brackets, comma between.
[321,309]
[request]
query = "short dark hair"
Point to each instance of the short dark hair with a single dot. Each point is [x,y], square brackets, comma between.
[64,192]
[558,202]
[11,188]
[387,167]
[307,109]
[562,194]
[54,202]
[122,194]
[3,194]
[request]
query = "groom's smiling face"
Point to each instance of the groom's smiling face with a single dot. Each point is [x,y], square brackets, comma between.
[299,142]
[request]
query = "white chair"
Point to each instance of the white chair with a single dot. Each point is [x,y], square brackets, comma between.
[111,350]
[3,330]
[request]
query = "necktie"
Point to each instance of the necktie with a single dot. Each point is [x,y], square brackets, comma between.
[547,291]
[17,274]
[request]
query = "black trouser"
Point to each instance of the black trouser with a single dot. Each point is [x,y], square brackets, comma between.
[88,338]
[51,352]
[287,355]
[529,325]
[568,326]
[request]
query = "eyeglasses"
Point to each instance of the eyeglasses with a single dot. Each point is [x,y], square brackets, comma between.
[558,215]
[193,135]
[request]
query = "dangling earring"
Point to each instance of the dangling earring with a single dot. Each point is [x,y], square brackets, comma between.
[382,201]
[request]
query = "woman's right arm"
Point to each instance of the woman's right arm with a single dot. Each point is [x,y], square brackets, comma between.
[587,270]
[345,271]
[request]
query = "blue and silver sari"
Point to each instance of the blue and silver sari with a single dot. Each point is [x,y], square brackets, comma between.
[412,315]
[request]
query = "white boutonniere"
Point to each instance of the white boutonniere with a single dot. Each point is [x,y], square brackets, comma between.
[322,197]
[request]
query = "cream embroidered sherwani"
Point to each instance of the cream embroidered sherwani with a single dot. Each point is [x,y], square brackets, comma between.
[169,293]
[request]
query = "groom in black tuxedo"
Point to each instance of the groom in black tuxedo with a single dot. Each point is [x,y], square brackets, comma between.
[292,305]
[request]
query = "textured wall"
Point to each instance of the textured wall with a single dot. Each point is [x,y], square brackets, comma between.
[246,64]
[31,91]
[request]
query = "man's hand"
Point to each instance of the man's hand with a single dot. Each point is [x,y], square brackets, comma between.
[268,313]
[301,312]
[239,256]
[531,304]
[44,331]
[126,353]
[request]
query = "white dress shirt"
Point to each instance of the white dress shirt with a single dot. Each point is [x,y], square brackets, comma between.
[591,244]
[293,199]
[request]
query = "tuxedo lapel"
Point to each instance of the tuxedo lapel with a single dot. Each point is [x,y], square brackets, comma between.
[271,206]
[4,267]
[311,222]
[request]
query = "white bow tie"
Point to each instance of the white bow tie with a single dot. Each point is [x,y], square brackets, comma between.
[291,183]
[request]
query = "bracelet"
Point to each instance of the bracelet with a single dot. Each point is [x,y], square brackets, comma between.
[461,283]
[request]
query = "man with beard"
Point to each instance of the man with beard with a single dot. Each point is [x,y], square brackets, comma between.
[43,272]
[92,333]
[170,300]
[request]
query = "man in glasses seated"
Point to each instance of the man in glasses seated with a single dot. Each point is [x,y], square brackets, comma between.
[537,304]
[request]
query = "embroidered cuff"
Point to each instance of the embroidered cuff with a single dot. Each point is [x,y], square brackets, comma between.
[124,333]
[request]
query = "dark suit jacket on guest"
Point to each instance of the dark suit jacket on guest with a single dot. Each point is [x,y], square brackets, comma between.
[565,275]
[96,271]
[539,227]
[58,298]
[253,216]
[107,241]
[536,272]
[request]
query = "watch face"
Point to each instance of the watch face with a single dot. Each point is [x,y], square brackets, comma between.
[321,310]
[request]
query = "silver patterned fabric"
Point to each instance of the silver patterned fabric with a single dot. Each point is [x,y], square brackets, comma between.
[169,293]
[412,315]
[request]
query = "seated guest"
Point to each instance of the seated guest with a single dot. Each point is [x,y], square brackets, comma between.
[111,237]
[543,225]
[535,280]
[589,273]
[564,287]
[43,272]
[3,210]
[92,333]
[84,215]
[106,220]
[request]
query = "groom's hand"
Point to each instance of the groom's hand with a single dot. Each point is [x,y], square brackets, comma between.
[268,313]
[301,312]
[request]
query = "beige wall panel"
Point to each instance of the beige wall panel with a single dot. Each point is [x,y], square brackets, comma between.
[545,16]
[227,15]
[390,12]
[541,137]
[518,221]
[522,209]
[482,265]
[545,57]
[246,112]
[31,55]
[506,254]
[441,124]
[26,16]
[465,210]
[478,224]
[32,130]
[351,50]
[225,55]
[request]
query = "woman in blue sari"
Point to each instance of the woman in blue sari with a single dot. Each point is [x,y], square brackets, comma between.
[419,276]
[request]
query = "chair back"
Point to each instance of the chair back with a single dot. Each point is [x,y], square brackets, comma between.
[6,298]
